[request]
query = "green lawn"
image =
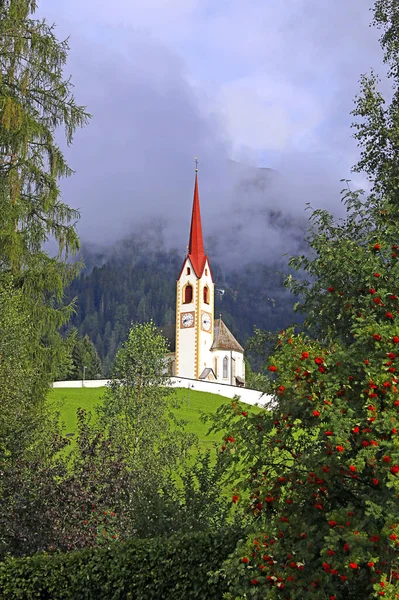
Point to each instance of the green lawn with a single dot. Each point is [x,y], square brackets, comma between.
[68,400]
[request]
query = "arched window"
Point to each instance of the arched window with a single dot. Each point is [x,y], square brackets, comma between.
[225,367]
[188,272]
[206,294]
[206,271]
[215,366]
[188,294]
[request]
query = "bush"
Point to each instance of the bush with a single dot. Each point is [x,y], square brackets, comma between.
[174,568]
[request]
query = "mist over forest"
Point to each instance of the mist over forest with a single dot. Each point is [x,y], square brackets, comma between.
[134,279]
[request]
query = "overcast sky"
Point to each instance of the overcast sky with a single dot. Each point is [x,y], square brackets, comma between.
[265,82]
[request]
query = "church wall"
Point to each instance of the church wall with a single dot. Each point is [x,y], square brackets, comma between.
[231,356]
[240,364]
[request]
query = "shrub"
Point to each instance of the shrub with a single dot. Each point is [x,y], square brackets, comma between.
[174,568]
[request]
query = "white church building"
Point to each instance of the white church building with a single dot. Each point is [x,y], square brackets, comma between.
[205,348]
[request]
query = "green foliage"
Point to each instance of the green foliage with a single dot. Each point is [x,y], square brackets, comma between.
[260,346]
[110,500]
[32,503]
[136,407]
[175,568]
[64,366]
[22,385]
[84,357]
[377,131]
[324,460]
[104,490]
[135,285]
[140,364]
[135,460]
[323,474]
[80,359]
[89,497]
[35,101]
[28,435]
[204,498]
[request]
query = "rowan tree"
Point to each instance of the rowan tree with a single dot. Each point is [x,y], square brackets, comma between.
[324,459]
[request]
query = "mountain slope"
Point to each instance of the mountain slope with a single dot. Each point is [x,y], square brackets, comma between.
[135,283]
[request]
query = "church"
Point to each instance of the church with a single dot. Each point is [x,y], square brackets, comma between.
[205,348]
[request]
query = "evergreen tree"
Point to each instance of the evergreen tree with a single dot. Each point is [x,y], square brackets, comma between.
[35,102]
[84,357]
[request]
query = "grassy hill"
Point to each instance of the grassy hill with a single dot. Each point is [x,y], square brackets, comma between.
[68,400]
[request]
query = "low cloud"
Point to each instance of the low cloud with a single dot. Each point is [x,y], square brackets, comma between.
[267,84]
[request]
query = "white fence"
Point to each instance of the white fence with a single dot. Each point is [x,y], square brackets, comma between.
[89,383]
[229,391]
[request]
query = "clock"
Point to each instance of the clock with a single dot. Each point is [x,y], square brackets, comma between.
[206,321]
[187,319]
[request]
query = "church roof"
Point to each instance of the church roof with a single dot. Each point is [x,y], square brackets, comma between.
[223,339]
[196,252]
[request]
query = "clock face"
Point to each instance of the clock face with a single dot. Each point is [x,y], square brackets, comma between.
[187,319]
[206,321]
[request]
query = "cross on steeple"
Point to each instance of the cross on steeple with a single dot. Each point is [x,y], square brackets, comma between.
[196,164]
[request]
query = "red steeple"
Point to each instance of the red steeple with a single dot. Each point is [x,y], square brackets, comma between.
[196,252]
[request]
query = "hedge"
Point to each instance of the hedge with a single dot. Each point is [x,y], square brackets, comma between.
[174,568]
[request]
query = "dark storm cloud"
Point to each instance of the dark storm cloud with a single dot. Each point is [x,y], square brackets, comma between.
[136,159]
[248,80]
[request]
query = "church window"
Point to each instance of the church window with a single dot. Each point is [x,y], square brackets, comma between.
[188,294]
[206,271]
[206,294]
[188,272]
[215,364]
[225,367]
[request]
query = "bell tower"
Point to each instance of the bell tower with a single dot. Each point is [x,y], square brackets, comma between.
[194,302]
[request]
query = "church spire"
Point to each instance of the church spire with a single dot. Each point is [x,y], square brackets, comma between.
[196,251]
